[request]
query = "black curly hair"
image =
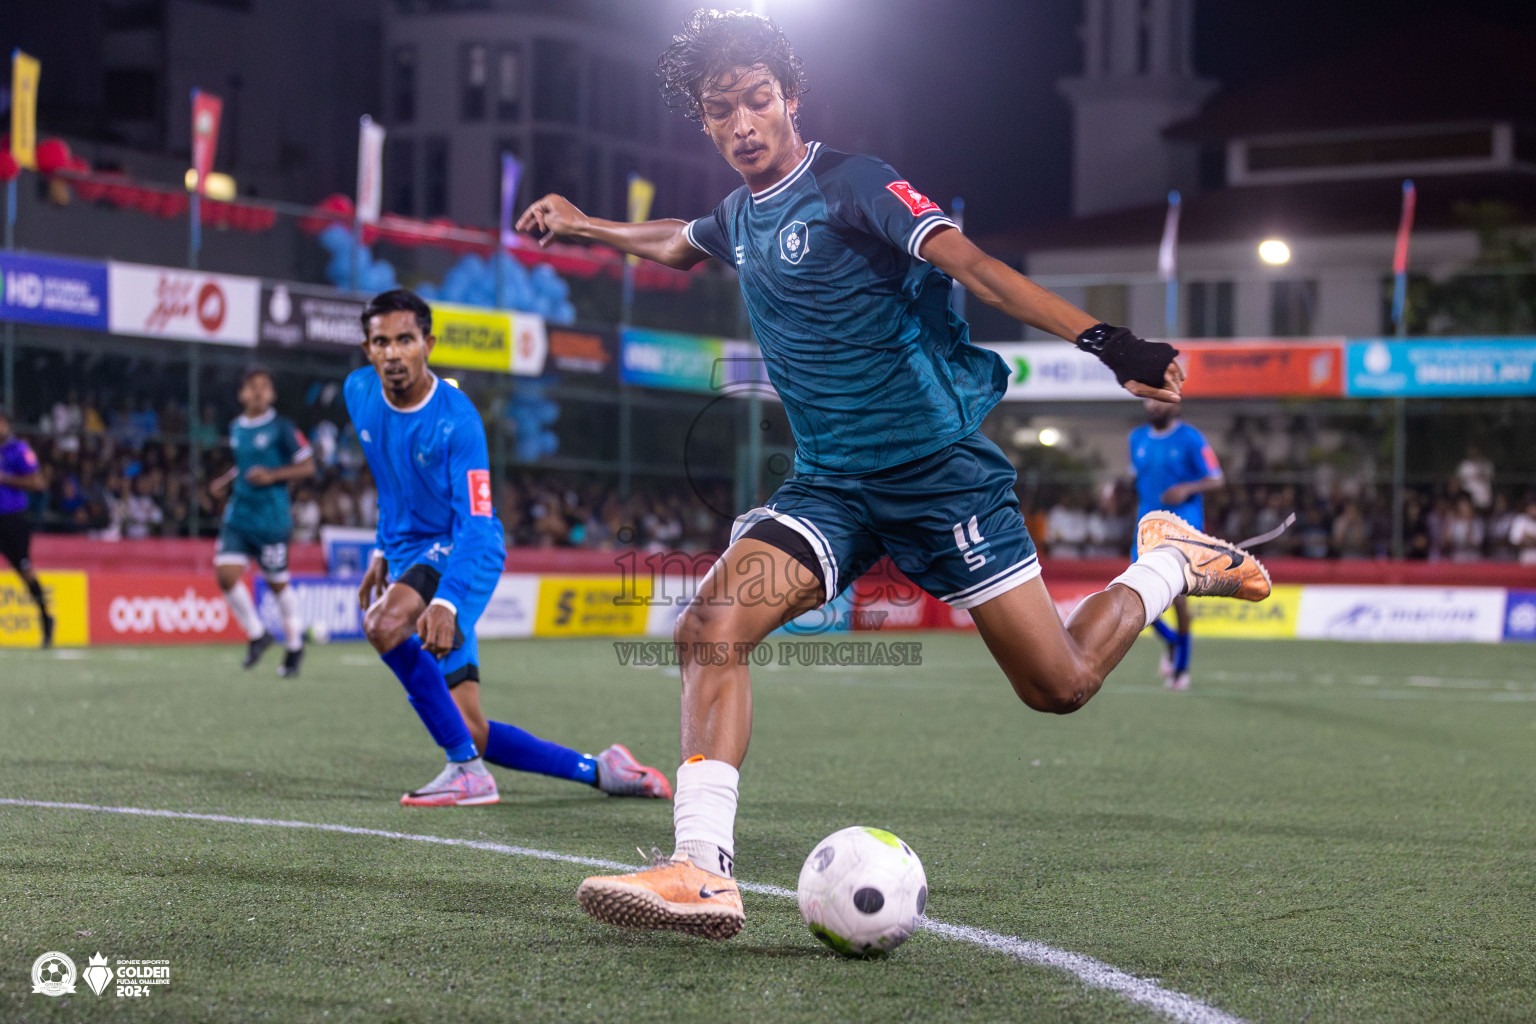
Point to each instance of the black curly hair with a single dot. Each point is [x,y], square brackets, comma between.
[712,43]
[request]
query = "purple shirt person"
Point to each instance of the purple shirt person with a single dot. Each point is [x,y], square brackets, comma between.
[19,474]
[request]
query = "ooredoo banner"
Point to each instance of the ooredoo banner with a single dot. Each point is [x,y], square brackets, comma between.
[159,608]
[160,302]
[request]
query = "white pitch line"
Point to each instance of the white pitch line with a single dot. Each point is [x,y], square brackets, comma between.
[1093,973]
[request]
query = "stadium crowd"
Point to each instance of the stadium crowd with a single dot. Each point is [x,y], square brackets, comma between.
[125,473]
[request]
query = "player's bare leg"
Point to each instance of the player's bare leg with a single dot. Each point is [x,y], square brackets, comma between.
[751,590]
[35,588]
[1057,667]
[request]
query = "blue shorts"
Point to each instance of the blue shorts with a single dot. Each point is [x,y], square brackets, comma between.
[463,662]
[949,520]
[237,546]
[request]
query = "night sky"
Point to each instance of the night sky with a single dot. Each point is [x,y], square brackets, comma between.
[977,78]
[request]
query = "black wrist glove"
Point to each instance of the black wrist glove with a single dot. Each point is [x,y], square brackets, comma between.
[1131,358]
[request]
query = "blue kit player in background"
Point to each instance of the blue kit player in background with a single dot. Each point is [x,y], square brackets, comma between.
[20,475]
[1175,468]
[258,522]
[439,554]
[846,270]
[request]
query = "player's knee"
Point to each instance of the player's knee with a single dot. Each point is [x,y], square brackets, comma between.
[700,623]
[1057,693]
[386,628]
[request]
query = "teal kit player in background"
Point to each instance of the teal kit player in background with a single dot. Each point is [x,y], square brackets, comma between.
[19,475]
[269,452]
[439,554]
[846,270]
[1175,467]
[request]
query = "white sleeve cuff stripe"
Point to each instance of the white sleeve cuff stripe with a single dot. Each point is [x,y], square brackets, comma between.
[688,234]
[303,453]
[923,230]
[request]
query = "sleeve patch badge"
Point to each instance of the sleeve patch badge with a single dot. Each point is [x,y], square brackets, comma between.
[914,200]
[480,492]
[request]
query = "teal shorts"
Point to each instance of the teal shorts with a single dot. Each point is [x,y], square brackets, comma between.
[237,547]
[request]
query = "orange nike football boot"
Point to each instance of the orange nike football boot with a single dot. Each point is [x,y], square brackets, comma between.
[670,895]
[1212,567]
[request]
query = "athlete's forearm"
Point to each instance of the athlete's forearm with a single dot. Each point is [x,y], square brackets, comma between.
[1003,288]
[297,471]
[29,482]
[661,241]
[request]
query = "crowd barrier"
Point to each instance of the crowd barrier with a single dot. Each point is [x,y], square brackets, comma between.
[163,592]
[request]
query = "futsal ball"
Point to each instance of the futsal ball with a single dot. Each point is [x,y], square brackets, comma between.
[861,891]
[319,632]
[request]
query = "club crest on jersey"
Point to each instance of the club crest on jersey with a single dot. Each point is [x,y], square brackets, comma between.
[912,199]
[794,240]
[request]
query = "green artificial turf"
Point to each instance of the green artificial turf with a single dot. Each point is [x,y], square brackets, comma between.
[1314,832]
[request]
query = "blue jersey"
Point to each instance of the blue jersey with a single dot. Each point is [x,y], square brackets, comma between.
[1159,461]
[433,475]
[873,367]
[272,442]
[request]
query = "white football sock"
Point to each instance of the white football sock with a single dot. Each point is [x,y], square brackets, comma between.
[704,815]
[293,622]
[1157,577]
[240,603]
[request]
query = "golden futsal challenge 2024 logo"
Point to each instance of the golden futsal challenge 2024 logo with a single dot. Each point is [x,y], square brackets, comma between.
[54,974]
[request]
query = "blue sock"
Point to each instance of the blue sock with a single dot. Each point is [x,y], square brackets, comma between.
[1181,654]
[512,747]
[427,689]
[1167,632]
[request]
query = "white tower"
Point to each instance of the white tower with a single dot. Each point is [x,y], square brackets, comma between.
[1138,78]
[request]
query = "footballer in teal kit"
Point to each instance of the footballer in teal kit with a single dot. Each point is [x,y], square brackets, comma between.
[439,554]
[846,269]
[269,452]
[1175,467]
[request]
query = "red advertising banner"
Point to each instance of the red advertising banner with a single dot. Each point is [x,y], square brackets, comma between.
[159,608]
[206,111]
[1263,369]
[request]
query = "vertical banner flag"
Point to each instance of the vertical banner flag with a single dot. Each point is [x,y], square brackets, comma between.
[207,110]
[1400,256]
[1168,264]
[24,74]
[511,174]
[370,170]
[641,192]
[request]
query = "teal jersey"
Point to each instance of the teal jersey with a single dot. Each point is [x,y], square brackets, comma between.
[273,442]
[856,330]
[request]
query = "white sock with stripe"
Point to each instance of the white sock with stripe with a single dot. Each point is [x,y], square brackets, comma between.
[1157,577]
[293,621]
[704,815]
[244,609]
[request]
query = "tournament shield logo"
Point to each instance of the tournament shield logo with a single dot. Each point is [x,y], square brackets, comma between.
[794,241]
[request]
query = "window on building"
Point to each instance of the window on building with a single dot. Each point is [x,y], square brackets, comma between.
[1209,309]
[556,81]
[474,81]
[400,176]
[1111,303]
[434,176]
[402,84]
[1292,306]
[509,83]
[132,94]
[557,167]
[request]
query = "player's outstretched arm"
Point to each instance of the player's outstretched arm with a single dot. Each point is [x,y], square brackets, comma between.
[1134,361]
[662,241]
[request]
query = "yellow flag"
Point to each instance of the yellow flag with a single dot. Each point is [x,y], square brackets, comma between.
[641,192]
[24,74]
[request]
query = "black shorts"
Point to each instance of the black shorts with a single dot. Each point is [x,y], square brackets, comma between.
[16,540]
[458,665]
